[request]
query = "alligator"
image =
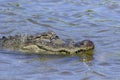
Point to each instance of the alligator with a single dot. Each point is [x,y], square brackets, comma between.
[46,43]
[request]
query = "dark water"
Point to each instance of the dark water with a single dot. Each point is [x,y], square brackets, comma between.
[98,20]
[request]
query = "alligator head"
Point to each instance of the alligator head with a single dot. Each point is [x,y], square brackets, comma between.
[47,42]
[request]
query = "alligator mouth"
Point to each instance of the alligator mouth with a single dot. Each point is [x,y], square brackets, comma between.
[65,50]
[61,50]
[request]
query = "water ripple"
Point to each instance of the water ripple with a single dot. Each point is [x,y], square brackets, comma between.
[97,20]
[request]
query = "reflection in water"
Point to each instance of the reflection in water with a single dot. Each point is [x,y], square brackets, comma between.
[87,56]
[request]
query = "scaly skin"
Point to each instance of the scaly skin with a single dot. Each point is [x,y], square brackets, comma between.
[46,43]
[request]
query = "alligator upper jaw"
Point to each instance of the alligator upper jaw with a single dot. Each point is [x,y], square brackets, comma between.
[38,48]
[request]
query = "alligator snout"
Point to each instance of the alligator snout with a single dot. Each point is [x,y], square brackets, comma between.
[87,44]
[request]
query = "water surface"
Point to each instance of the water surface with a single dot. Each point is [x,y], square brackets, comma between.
[97,20]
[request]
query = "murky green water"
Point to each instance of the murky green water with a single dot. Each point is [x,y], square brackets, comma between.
[97,20]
